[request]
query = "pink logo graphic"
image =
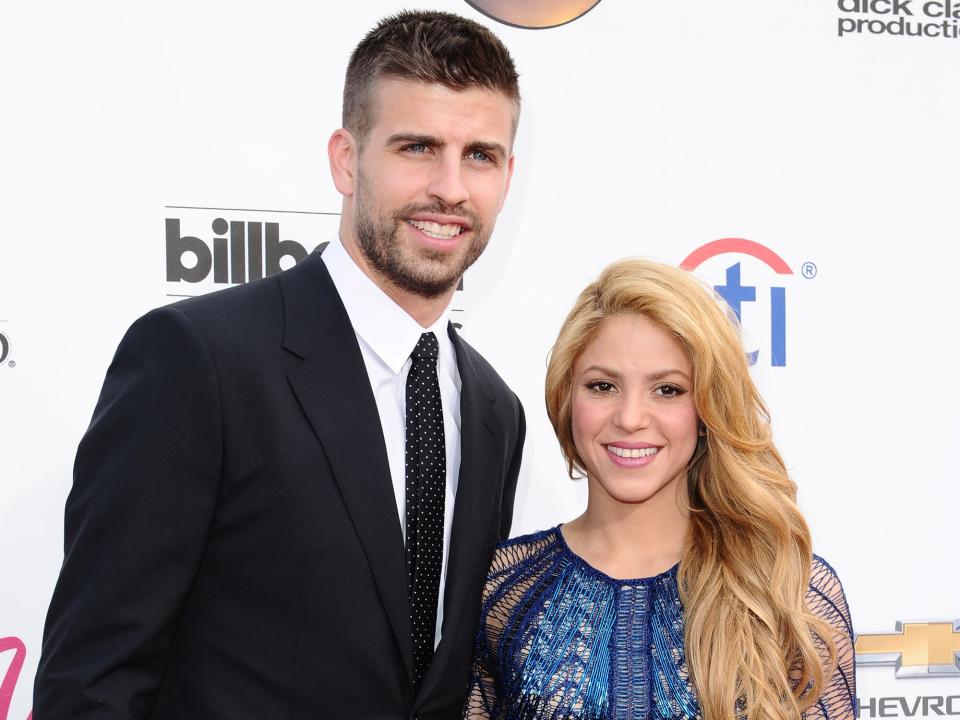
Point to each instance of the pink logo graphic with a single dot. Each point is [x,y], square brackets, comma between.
[9,682]
[736,245]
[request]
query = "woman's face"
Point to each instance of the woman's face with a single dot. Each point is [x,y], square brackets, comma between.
[634,420]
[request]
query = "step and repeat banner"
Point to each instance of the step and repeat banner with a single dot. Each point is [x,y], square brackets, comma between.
[801,157]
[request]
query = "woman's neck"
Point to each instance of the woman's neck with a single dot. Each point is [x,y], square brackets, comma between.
[631,540]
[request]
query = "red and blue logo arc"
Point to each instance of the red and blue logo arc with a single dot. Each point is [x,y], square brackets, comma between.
[736,293]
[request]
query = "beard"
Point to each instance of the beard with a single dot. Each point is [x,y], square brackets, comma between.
[423,272]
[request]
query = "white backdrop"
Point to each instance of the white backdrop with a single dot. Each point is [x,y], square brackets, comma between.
[648,128]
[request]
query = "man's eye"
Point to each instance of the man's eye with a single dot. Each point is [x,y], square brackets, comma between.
[601,387]
[480,156]
[669,391]
[416,148]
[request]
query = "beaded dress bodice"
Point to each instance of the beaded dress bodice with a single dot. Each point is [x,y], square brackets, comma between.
[560,639]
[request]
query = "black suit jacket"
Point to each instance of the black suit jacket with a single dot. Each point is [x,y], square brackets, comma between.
[232,544]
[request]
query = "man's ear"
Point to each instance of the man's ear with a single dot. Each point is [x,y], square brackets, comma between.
[342,152]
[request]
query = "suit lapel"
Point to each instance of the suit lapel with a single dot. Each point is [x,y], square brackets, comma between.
[479,438]
[333,389]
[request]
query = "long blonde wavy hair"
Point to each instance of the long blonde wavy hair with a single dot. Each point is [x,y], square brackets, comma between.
[751,642]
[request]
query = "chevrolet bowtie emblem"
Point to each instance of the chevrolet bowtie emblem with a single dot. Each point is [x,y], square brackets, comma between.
[917,649]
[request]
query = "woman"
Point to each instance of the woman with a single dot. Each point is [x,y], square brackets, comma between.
[725,612]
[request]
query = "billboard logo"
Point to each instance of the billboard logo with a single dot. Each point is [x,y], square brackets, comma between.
[916,649]
[736,292]
[208,248]
[252,250]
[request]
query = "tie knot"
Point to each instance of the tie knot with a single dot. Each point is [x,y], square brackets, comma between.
[427,348]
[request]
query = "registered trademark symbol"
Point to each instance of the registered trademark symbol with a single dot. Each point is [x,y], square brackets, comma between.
[809,270]
[12,363]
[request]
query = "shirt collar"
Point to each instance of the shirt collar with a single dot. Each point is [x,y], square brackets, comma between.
[386,327]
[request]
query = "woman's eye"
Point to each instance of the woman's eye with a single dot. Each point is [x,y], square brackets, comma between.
[600,386]
[669,391]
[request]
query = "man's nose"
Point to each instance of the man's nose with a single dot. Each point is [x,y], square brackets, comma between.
[448,182]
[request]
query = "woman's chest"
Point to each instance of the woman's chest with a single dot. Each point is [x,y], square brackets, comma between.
[579,645]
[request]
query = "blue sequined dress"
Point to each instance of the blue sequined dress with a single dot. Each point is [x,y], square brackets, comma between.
[559,639]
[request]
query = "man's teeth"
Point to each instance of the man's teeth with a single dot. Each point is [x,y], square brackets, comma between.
[632,452]
[436,230]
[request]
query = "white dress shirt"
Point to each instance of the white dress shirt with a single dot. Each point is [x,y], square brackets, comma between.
[387,335]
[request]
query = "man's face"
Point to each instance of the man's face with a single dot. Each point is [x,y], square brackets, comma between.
[431,178]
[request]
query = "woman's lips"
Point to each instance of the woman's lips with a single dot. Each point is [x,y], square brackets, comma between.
[632,454]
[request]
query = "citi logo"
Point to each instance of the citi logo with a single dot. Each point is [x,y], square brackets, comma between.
[240,251]
[737,292]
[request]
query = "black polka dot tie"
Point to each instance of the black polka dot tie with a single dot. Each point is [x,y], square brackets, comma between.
[426,479]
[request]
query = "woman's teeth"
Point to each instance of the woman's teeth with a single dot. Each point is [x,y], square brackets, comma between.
[632,452]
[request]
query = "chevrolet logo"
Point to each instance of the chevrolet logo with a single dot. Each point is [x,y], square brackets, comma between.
[917,649]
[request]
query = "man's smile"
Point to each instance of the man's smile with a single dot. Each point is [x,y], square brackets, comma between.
[436,230]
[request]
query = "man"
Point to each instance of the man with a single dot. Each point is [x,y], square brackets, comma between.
[289,493]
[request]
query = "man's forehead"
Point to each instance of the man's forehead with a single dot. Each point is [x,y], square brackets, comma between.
[404,105]
[387,83]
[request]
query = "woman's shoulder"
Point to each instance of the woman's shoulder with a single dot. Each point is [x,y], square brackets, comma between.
[826,600]
[534,539]
[825,595]
[523,548]
[823,577]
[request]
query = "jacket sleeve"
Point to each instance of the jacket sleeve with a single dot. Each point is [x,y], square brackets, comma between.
[145,485]
[513,472]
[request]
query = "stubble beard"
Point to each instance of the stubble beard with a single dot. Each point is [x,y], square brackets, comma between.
[426,273]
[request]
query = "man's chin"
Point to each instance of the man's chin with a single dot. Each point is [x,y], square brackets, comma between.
[411,267]
[423,286]
[430,274]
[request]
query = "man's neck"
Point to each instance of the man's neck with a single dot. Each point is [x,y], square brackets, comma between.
[425,311]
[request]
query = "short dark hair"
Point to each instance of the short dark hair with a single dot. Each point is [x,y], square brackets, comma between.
[430,47]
